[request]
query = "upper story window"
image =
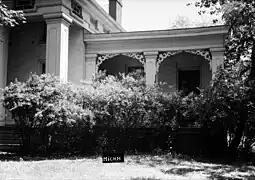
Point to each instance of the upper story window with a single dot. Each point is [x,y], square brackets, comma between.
[94,23]
[76,8]
[24,4]
[106,30]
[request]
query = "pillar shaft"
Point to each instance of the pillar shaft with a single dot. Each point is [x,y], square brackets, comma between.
[150,67]
[217,59]
[4,38]
[90,67]
[57,45]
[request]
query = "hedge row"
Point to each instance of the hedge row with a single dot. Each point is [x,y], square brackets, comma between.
[46,105]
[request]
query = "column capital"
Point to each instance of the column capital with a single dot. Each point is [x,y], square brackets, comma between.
[150,53]
[90,56]
[218,49]
[57,17]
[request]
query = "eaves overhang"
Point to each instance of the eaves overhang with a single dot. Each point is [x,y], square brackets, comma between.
[157,34]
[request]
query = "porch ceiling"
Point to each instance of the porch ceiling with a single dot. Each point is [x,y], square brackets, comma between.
[160,40]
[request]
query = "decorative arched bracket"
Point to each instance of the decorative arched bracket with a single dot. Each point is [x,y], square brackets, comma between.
[102,57]
[201,52]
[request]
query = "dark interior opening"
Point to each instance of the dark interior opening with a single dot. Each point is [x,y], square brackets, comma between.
[189,80]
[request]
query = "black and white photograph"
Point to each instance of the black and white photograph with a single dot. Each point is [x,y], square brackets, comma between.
[127,89]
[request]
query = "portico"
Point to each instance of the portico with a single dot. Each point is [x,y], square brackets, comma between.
[170,56]
[162,54]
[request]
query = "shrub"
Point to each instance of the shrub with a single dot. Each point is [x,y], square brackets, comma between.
[225,105]
[63,112]
[43,104]
[125,101]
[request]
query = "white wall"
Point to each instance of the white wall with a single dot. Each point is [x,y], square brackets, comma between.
[25,49]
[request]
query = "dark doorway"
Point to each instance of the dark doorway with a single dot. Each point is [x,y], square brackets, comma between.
[43,68]
[189,80]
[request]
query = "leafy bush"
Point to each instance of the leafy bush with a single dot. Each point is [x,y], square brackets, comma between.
[63,112]
[48,107]
[125,101]
[225,105]
[44,104]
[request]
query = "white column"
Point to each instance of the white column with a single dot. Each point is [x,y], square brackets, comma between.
[4,38]
[57,44]
[90,67]
[150,67]
[217,59]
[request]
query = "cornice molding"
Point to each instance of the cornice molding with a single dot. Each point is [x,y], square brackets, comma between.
[157,34]
[152,49]
[100,13]
[54,16]
[217,49]
[94,55]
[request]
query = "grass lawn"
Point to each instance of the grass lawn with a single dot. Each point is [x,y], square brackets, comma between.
[139,167]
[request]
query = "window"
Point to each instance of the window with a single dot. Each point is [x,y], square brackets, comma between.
[188,81]
[41,66]
[106,30]
[24,4]
[76,9]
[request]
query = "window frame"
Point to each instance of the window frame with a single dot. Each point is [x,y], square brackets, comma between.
[76,4]
[29,5]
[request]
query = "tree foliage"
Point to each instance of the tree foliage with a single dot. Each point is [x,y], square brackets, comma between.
[185,22]
[9,17]
[239,16]
[43,104]
[224,106]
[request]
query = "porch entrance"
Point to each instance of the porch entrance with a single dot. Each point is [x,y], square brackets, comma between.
[189,80]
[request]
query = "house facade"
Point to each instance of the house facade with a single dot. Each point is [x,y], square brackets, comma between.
[73,39]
